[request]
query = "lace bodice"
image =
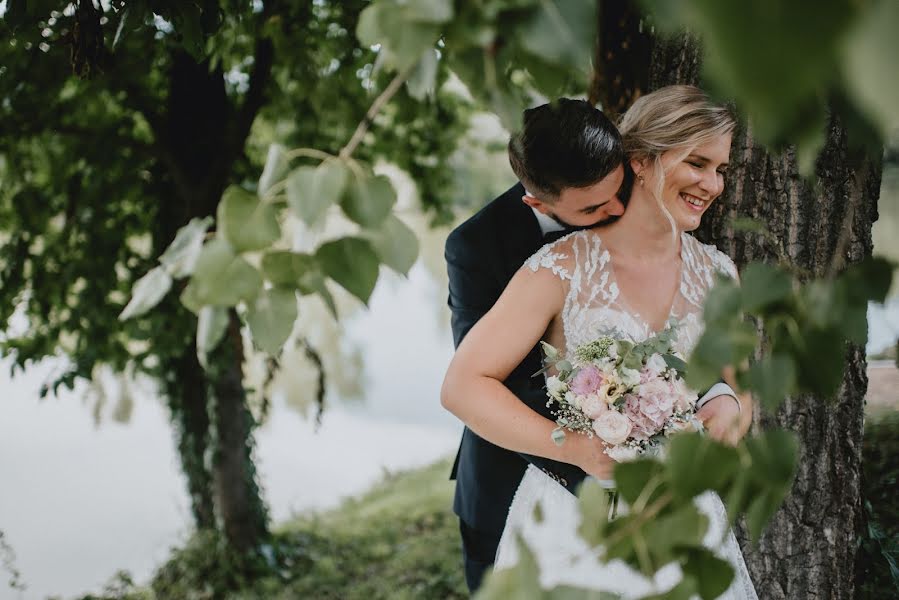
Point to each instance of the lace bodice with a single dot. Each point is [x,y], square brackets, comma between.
[594,305]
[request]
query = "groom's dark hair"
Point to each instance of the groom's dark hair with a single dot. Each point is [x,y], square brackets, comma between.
[564,144]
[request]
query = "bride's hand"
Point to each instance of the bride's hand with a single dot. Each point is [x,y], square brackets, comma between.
[591,457]
[721,418]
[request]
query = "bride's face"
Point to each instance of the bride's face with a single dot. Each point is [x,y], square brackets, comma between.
[693,182]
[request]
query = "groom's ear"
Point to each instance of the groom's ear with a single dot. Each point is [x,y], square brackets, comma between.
[536,203]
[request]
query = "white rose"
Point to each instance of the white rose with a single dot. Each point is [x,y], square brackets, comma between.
[656,365]
[612,427]
[572,399]
[555,386]
[630,377]
[622,453]
[593,406]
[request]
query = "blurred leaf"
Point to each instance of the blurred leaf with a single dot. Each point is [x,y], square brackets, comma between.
[712,574]
[719,464]
[212,322]
[593,501]
[669,531]
[718,347]
[747,224]
[352,263]
[271,318]
[519,582]
[631,478]
[275,169]
[564,33]
[147,292]
[423,80]
[180,257]
[820,360]
[403,30]
[222,278]
[773,378]
[869,280]
[870,63]
[395,244]
[300,271]
[312,190]
[722,303]
[774,458]
[368,201]
[247,222]
[763,286]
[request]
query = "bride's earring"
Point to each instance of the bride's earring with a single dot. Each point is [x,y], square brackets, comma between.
[640,179]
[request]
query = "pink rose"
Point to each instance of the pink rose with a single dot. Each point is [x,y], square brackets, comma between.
[586,381]
[612,427]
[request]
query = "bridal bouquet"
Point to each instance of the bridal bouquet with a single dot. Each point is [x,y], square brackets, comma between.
[630,395]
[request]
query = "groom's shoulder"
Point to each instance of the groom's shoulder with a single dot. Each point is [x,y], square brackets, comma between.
[485,224]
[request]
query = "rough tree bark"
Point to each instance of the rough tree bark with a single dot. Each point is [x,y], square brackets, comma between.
[808,549]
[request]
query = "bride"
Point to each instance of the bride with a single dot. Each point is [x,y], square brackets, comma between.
[625,280]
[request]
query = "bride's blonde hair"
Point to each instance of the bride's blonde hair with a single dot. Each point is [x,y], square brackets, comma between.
[676,117]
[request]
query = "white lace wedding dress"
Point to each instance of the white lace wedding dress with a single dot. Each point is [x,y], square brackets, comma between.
[594,307]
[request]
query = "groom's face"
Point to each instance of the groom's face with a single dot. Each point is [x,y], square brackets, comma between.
[585,207]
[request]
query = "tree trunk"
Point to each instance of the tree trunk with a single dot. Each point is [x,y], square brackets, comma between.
[240,505]
[809,547]
[620,67]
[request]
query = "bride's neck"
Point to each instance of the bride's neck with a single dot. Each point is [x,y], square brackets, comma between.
[644,232]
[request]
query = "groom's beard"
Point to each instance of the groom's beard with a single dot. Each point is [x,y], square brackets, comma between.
[569,227]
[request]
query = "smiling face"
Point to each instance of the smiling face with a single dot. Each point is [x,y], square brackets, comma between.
[692,183]
[585,207]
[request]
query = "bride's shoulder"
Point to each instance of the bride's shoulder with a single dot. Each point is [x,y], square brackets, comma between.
[557,256]
[710,255]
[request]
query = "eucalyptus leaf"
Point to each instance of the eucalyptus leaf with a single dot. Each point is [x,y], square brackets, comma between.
[271,318]
[351,262]
[247,222]
[147,293]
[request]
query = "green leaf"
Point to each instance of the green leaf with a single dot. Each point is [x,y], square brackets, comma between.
[422,82]
[719,346]
[400,31]
[212,322]
[593,501]
[697,463]
[368,201]
[298,270]
[312,190]
[631,478]
[180,257]
[147,292]
[395,245]
[722,303]
[246,222]
[773,378]
[222,278]
[427,11]
[276,165]
[712,574]
[351,262]
[774,457]
[764,286]
[870,64]
[564,33]
[820,360]
[748,225]
[869,280]
[271,318]
[684,526]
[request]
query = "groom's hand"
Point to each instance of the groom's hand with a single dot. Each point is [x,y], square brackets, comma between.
[721,418]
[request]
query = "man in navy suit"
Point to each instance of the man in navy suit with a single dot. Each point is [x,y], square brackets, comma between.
[572,175]
[568,158]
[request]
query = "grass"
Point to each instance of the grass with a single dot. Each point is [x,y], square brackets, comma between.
[400,540]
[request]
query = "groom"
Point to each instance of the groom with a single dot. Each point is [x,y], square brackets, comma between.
[571,166]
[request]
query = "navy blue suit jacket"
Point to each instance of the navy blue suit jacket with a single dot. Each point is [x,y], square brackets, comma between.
[482,255]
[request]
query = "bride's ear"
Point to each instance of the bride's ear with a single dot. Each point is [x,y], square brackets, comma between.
[638,165]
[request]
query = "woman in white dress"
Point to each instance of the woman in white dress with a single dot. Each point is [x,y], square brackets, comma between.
[626,280]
